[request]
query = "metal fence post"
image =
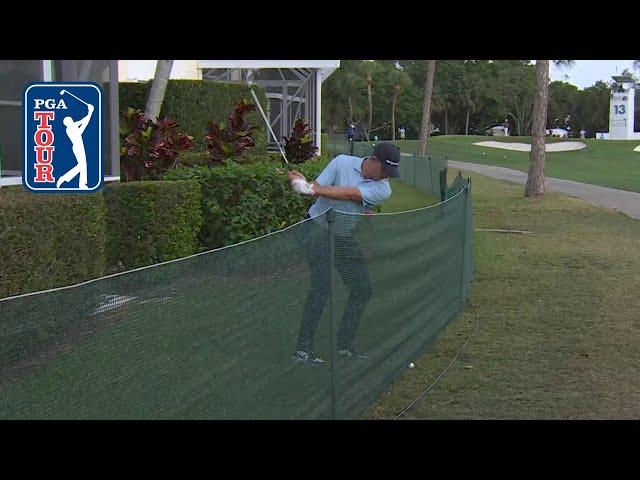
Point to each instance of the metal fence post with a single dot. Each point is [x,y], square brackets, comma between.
[466,233]
[332,317]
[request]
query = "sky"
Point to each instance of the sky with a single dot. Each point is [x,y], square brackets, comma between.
[583,73]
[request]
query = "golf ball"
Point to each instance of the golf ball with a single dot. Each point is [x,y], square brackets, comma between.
[411,365]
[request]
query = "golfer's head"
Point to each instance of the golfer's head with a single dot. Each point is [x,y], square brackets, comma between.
[67,121]
[386,158]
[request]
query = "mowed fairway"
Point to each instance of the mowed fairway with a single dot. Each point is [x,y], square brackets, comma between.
[611,164]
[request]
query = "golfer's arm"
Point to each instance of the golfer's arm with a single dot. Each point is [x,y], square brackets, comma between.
[338,193]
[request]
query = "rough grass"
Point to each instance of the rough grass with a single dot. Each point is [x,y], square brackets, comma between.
[558,312]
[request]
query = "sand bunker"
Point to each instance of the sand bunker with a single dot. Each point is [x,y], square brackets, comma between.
[525,147]
[637,149]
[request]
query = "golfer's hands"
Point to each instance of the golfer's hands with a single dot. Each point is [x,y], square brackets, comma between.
[302,186]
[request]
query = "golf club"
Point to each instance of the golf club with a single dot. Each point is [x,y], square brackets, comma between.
[269,126]
[65,91]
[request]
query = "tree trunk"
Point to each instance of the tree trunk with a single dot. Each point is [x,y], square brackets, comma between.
[466,128]
[350,111]
[370,108]
[158,89]
[393,117]
[426,109]
[535,179]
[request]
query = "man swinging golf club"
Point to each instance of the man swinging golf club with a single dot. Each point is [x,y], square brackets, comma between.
[348,184]
[74,131]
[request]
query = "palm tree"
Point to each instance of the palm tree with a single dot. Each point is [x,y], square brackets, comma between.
[425,129]
[400,81]
[368,69]
[536,177]
[158,89]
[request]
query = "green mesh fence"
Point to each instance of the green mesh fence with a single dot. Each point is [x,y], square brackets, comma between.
[213,336]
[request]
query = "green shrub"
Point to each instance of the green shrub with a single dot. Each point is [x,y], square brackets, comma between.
[151,221]
[241,202]
[196,103]
[192,159]
[49,241]
[149,148]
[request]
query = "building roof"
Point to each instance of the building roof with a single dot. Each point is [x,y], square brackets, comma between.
[326,67]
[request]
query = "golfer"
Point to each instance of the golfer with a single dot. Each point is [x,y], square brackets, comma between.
[348,184]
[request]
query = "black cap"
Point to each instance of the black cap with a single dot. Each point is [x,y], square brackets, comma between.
[389,155]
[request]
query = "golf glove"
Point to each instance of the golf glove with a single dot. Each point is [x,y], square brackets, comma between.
[303,187]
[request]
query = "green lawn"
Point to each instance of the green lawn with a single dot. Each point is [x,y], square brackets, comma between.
[558,312]
[607,163]
[405,197]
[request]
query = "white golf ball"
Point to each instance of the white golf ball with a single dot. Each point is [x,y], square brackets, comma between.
[412,365]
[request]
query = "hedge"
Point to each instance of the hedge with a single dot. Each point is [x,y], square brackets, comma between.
[49,241]
[151,222]
[195,103]
[241,202]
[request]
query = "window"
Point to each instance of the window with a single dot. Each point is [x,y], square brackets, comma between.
[14,75]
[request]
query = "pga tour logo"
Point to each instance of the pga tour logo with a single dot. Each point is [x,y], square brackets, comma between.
[63,137]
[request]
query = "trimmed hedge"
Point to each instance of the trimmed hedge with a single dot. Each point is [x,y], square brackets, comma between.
[49,241]
[241,202]
[151,222]
[195,103]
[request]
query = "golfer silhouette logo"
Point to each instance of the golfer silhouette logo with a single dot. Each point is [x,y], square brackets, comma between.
[63,137]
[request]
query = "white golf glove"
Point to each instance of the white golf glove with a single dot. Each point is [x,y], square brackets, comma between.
[301,186]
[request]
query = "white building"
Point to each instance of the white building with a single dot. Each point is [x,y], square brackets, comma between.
[293,87]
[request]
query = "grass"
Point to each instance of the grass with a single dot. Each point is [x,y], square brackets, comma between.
[405,197]
[558,318]
[606,163]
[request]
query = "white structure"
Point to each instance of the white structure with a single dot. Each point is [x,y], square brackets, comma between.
[293,87]
[621,110]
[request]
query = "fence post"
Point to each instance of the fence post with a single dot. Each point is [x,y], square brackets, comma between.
[431,192]
[332,316]
[414,182]
[465,234]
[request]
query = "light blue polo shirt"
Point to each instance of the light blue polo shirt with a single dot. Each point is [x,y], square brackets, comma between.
[346,171]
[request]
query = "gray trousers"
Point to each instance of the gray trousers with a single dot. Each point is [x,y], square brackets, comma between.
[351,265]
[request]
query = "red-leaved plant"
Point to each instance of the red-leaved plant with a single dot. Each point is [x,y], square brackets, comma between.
[150,148]
[233,140]
[299,146]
